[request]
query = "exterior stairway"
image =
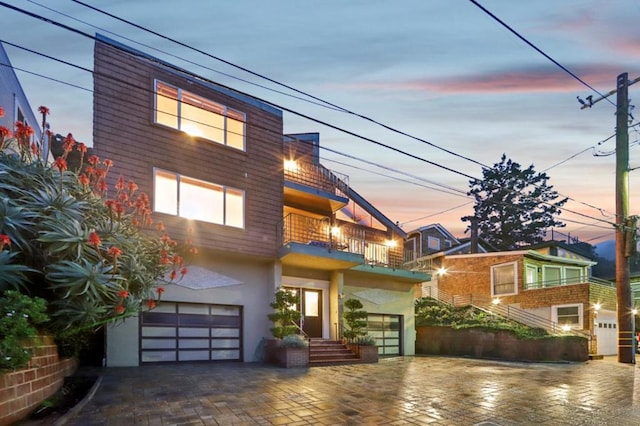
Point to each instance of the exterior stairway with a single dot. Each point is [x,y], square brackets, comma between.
[329,352]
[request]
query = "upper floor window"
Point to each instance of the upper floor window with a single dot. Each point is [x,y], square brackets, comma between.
[504,279]
[433,243]
[199,116]
[553,275]
[196,199]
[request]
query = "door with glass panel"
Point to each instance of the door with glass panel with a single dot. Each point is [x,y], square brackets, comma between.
[310,306]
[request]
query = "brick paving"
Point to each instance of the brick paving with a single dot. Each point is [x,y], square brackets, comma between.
[396,391]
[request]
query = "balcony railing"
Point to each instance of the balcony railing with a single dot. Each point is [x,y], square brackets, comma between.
[568,281]
[342,236]
[318,176]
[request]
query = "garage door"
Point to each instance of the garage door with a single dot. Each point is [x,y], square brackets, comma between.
[174,332]
[607,333]
[387,329]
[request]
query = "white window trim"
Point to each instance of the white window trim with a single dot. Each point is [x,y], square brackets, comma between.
[515,278]
[224,188]
[536,283]
[554,314]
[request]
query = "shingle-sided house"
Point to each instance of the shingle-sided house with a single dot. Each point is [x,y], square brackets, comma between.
[263,211]
[551,281]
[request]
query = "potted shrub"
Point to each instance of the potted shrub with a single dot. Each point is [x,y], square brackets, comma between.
[288,349]
[355,333]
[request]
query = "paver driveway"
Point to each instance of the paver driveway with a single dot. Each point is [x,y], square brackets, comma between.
[396,391]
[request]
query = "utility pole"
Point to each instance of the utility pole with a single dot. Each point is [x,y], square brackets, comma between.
[626,351]
[626,227]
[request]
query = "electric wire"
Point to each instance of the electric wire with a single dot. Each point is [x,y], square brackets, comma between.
[278,106]
[537,49]
[294,112]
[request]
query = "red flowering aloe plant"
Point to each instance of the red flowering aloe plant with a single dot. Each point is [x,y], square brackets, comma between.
[90,250]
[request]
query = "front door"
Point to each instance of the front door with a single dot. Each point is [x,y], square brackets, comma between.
[311,309]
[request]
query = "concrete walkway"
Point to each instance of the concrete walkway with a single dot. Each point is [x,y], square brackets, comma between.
[396,391]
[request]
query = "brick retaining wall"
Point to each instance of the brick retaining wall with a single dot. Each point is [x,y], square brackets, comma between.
[22,390]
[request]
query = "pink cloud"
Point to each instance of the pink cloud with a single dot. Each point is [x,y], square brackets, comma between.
[541,80]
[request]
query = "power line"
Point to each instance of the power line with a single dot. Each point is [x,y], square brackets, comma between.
[270,103]
[562,67]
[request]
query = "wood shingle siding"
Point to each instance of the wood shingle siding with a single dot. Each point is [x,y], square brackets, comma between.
[125,132]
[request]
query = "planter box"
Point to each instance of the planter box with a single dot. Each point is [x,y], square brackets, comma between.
[284,356]
[503,345]
[366,353]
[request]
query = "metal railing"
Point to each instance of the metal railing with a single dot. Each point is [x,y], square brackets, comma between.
[568,281]
[341,236]
[487,304]
[318,176]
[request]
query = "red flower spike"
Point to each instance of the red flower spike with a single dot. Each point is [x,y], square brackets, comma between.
[160,290]
[4,241]
[1,112]
[5,132]
[114,252]
[83,179]
[183,271]
[151,303]
[42,110]
[81,147]
[172,275]
[94,239]
[60,164]
[123,293]
[119,309]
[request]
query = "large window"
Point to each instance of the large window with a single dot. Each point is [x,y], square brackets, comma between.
[199,116]
[196,199]
[567,315]
[554,276]
[532,276]
[503,279]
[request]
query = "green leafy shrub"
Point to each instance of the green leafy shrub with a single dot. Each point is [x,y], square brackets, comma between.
[366,340]
[294,341]
[431,312]
[19,317]
[355,320]
[285,316]
[85,244]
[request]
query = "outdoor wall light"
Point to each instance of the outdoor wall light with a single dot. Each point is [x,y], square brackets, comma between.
[597,307]
[335,231]
[566,327]
[290,165]
[390,243]
[634,311]
[496,301]
[441,271]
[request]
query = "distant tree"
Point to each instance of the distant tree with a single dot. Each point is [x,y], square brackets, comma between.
[514,207]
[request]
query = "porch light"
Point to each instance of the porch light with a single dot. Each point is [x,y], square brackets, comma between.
[335,231]
[597,307]
[634,311]
[496,301]
[441,271]
[390,243]
[566,327]
[290,165]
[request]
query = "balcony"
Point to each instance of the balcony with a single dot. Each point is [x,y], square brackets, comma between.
[314,242]
[314,188]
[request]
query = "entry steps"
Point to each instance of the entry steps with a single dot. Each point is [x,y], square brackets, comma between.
[330,352]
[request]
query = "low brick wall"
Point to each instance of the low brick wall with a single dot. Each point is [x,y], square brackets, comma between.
[22,390]
[504,345]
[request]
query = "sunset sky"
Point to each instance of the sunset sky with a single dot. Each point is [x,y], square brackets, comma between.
[409,97]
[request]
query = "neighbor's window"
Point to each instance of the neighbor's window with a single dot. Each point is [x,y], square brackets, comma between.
[551,276]
[570,315]
[196,199]
[503,279]
[573,275]
[199,116]
[532,276]
[433,243]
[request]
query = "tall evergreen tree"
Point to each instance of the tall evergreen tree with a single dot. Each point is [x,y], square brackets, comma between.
[514,207]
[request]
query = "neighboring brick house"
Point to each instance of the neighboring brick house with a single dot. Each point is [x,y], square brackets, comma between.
[272,218]
[551,280]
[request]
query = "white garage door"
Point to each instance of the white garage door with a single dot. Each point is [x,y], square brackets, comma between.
[174,332]
[607,333]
